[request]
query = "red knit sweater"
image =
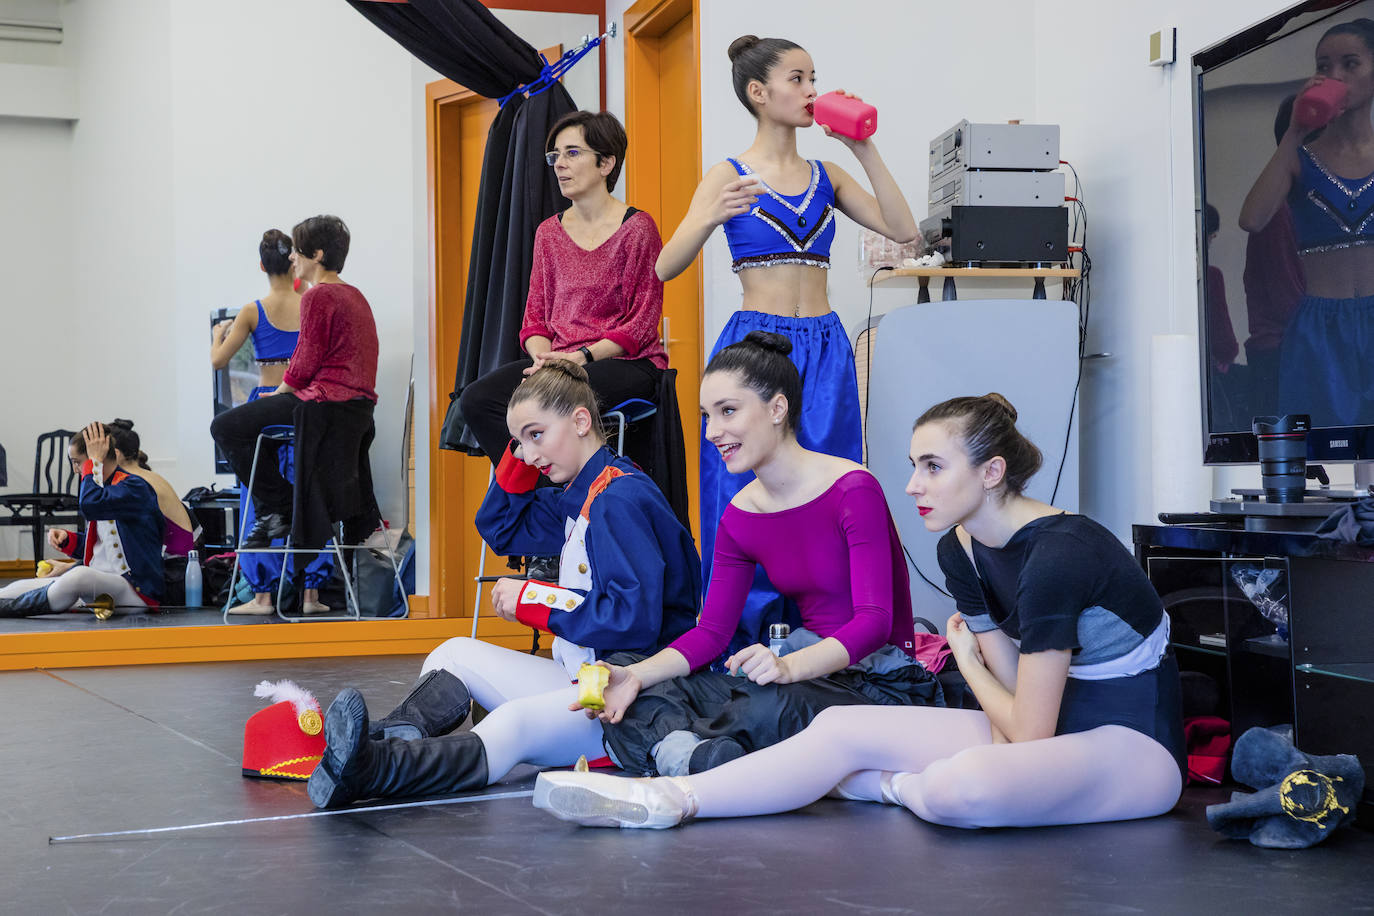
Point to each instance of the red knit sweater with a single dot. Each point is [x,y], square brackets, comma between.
[336,354]
[578,297]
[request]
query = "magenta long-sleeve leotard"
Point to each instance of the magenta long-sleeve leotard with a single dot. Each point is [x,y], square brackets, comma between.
[838,557]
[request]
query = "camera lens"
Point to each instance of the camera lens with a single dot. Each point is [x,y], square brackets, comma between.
[1283,456]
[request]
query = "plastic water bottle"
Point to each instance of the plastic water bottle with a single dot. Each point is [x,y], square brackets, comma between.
[777,638]
[193,583]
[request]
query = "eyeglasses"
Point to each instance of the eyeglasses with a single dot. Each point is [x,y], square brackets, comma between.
[571,154]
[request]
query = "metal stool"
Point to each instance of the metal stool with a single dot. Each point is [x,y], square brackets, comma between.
[286,435]
[618,418]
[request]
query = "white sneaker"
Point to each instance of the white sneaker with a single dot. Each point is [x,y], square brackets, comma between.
[600,800]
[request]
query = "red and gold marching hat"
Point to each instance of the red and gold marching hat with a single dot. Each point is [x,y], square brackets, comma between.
[285,740]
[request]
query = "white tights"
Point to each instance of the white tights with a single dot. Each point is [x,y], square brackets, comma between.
[80,583]
[949,771]
[528,698]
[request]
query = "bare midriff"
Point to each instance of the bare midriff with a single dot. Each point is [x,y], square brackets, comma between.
[790,290]
[270,374]
[1346,273]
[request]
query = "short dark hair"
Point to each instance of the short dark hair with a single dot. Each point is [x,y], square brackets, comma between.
[323,233]
[761,362]
[1211,219]
[605,136]
[275,252]
[751,58]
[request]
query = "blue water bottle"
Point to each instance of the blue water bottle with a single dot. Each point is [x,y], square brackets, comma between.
[193,583]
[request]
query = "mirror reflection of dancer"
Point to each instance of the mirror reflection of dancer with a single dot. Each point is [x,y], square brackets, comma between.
[1324,361]
[1274,285]
[628,581]
[178,538]
[120,550]
[777,210]
[1061,637]
[274,324]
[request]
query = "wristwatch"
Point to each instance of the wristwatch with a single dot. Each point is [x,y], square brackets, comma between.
[586,354]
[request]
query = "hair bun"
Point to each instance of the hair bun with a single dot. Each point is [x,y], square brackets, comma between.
[769,341]
[1002,402]
[741,44]
[121,424]
[568,368]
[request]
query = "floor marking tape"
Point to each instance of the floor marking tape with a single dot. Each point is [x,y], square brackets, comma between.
[52,840]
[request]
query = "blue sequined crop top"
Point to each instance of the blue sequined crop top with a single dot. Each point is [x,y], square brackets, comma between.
[1330,212]
[784,229]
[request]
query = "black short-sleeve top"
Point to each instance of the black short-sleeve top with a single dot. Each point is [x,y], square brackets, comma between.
[1061,582]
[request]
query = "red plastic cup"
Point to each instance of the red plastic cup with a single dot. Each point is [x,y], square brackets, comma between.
[1318,105]
[851,117]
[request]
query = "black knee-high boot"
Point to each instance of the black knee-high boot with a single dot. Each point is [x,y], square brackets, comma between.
[436,705]
[28,604]
[354,767]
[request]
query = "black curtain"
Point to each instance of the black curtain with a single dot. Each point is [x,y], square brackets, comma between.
[462,40]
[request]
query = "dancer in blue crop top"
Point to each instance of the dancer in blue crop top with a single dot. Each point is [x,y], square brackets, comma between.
[778,211]
[1324,359]
[274,323]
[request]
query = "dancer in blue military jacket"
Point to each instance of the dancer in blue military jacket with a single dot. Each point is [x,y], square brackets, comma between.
[120,551]
[629,581]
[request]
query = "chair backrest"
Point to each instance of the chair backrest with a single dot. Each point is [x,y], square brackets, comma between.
[52,472]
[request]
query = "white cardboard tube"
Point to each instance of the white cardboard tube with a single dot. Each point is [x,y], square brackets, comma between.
[1179,482]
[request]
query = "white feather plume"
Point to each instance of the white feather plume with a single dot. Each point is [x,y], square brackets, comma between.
[282,691]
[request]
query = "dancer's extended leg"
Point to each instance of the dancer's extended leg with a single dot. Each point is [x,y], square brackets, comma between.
[1110,773]
[495,675]
[81,583]
[538,730]
[841,741]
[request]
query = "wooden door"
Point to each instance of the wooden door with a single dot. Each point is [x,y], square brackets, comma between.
[663,167]
[457,121]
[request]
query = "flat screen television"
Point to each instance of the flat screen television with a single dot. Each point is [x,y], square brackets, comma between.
[1281,326]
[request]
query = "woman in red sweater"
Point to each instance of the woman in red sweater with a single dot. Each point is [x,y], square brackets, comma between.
[335,360]
[594,298]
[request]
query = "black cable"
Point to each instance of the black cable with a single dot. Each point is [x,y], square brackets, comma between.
[1079,290]
[867,333]
[923,576]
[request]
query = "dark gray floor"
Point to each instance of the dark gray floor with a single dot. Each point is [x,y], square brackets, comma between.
[104,749]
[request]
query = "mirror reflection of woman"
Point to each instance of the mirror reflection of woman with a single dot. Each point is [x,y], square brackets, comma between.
[274,324]
[1324,365]
[777,210]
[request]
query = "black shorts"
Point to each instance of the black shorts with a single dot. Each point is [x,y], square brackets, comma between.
[1147,702]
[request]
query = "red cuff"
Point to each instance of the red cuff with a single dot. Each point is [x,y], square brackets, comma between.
[630,345]
[534,613]
[514,475]
[87,468]
[69,545]
[534,331]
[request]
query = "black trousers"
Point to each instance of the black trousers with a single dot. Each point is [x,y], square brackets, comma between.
[483,403]
[236,430]
[713,705]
